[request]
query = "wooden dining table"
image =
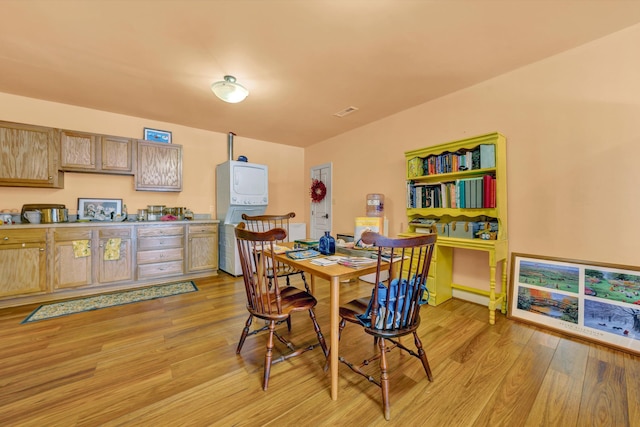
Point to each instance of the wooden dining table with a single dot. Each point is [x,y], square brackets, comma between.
[334,273]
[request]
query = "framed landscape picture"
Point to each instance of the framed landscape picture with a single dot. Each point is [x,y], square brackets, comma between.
[593,301]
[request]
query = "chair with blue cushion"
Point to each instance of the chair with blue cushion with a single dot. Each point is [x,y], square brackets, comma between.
[393,310]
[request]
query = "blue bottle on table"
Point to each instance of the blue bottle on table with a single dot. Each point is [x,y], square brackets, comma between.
[327,244]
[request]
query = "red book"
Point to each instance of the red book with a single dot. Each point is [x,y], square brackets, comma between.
[493,193]
[486,191]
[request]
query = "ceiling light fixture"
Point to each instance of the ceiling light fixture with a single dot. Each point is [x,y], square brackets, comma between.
[229,91]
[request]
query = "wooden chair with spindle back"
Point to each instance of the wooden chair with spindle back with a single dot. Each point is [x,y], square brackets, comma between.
[273,304]
[261,223]
[393,310]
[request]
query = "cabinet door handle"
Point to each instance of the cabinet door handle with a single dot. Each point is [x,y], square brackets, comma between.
[6,238]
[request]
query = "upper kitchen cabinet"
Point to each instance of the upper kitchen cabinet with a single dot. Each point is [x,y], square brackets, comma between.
[87,152]
[29,156]
[159,166]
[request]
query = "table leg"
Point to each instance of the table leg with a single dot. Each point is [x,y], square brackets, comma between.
[313,284]
[335,321]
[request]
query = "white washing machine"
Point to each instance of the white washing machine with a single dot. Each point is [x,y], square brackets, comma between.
[229,258]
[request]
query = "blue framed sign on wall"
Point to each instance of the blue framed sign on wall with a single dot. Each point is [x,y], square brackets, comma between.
[156,135]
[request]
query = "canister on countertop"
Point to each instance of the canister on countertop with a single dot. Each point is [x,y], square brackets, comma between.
[155,212]
[142,215]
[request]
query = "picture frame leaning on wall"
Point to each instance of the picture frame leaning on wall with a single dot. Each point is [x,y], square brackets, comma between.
[593,301]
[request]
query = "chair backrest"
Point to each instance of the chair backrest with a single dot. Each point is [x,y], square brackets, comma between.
[262,223]
[256,254]
[395,305]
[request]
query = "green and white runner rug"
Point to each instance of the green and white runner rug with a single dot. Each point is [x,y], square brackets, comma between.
[64,308]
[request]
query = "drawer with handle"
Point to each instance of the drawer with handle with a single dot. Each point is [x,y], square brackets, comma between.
[147,257]
[160,269]
[151,243]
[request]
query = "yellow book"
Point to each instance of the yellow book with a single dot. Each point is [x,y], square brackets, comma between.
[367,223]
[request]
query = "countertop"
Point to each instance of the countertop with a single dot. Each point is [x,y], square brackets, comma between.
[105,224]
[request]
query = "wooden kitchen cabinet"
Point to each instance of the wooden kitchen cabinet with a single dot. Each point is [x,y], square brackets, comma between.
[160,251]
[202,247]
[87,152]
[39,263]
[72,257]
[119,266]
[29,156]
[159,167]
[23,262]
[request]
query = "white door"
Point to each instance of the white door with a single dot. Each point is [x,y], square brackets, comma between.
[321,211]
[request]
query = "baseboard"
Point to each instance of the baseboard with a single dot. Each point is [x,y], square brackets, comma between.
[471,297]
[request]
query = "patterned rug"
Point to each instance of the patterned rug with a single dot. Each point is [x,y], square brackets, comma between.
[64,308]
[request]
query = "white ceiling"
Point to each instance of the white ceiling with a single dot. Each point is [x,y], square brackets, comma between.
[302,60]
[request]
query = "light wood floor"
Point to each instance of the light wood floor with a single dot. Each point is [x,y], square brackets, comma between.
[172,362]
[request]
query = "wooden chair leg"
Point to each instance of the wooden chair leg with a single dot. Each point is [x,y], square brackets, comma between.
[423,356]
[268,357]
[316,327]
[384,380]
[343,323]
[304,280]
[245,332]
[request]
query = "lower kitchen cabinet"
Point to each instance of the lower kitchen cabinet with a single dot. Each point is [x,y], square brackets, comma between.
[160,251]
[115,256]
[47,262]
[202,247]
[23,262]
[72,257]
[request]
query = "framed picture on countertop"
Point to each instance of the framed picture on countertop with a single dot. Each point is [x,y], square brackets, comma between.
[99,209]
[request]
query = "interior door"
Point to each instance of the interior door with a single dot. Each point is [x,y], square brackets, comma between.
[321,211]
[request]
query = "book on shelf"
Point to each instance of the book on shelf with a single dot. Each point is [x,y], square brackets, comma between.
[480,157]
[479,192]
[475,158]
[489,185]
[465,193]
[487,156]
[415,167]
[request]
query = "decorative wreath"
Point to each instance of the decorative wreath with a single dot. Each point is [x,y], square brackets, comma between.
[318,191]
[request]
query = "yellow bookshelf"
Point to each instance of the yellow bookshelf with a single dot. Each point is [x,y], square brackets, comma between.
[439,282]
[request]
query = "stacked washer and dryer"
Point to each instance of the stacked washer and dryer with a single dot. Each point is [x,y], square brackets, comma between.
[241,188]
